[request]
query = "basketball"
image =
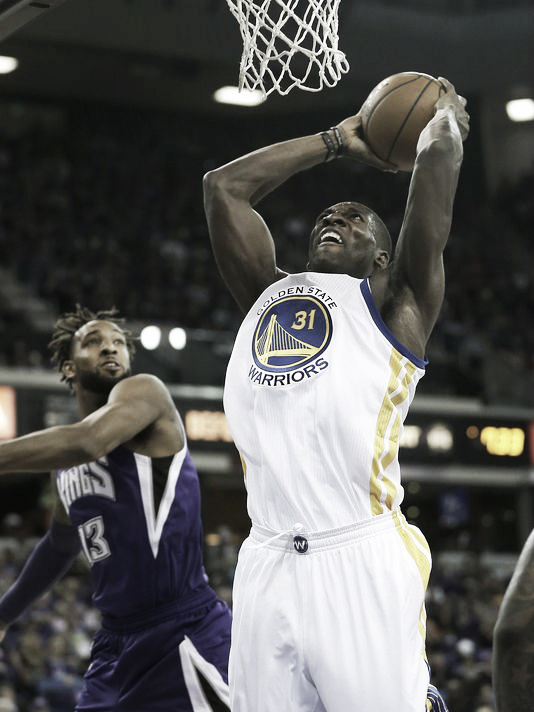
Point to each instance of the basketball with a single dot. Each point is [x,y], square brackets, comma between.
[395,113]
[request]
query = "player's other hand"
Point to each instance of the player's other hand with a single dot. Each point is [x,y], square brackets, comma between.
[450,99]
[355,147]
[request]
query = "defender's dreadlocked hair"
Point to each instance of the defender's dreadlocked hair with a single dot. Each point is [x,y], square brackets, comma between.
[68,324]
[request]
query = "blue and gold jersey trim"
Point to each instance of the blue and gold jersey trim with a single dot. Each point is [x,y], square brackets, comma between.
[382,489]
[377,318]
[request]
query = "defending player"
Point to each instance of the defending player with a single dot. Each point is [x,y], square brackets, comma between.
[330,585]
[127,494]
[513,638]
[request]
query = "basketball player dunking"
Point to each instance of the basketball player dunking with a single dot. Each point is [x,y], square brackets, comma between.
[127,494]
[329,589]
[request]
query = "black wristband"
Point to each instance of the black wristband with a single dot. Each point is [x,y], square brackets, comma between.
[331,152]
[334,147]
[339,141]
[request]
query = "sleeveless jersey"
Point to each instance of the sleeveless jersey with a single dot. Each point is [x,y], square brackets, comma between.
[317,390]
[139,524]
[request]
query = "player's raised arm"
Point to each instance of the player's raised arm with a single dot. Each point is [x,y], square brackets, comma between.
[427,220]
[242,243]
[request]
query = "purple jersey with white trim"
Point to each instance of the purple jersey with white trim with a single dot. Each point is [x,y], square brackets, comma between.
[139,523]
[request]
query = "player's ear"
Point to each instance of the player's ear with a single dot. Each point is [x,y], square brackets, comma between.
[68,369]
[381,259]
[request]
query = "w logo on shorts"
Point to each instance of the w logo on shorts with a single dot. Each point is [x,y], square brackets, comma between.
[300,544]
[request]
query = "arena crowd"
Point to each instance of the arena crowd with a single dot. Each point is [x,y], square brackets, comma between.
[105,207]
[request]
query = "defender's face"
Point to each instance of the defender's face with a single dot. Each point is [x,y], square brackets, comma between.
[342,241]
[100,356]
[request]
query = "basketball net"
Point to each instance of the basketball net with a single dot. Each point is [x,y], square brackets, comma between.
[289,43]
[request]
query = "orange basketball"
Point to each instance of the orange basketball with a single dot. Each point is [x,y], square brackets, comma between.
[395,113]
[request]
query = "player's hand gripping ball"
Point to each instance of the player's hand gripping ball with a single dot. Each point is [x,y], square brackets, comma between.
[395,113]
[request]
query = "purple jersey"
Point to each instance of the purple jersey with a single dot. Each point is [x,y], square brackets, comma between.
[139,523]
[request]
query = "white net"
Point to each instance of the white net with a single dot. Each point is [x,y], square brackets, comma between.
[287,44]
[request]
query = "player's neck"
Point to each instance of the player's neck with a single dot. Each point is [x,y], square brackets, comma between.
[89,401]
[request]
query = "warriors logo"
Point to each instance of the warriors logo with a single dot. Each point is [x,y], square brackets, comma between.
[291,332]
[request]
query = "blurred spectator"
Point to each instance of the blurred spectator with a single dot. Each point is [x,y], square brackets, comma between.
[46,651]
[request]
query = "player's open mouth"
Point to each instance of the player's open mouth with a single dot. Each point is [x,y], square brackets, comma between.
[330,237]
[112,365]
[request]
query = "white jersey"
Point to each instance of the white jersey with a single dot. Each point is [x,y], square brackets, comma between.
[317,390]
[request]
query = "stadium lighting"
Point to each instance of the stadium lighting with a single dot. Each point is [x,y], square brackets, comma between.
[520,109]
[150,337]
[245,97]
[177,338]
[8,64]
[440,438]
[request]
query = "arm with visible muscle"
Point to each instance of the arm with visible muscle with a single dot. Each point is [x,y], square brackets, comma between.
[513,639]
[133,404]
[418,264]
[242,243]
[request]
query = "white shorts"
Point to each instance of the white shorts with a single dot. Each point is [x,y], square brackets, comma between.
[331,621]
